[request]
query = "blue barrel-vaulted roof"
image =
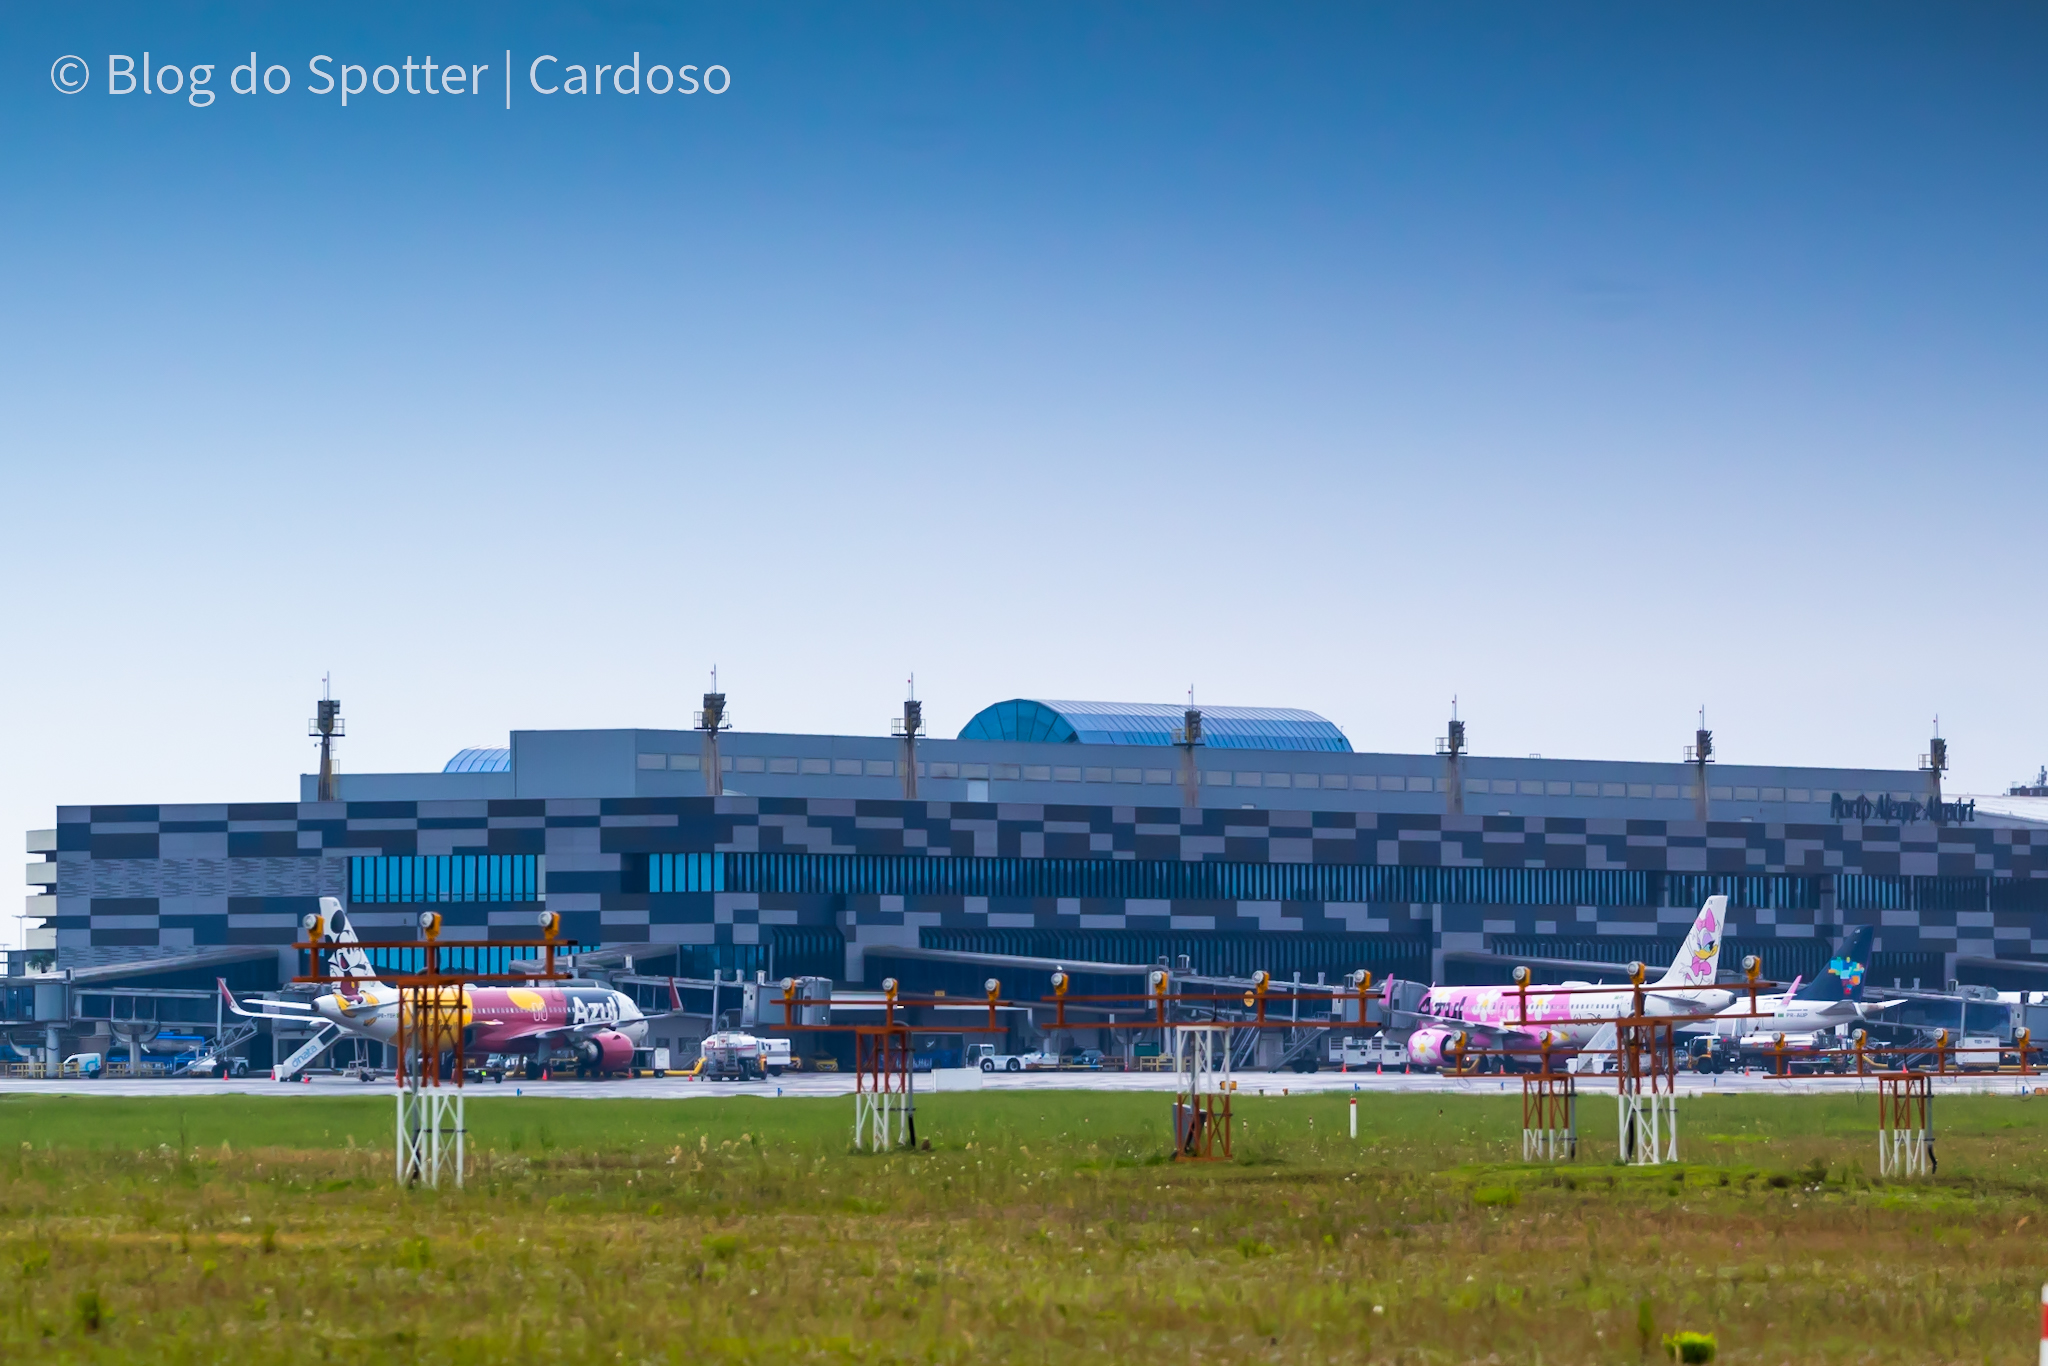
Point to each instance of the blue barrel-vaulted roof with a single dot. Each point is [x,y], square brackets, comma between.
[480,761]
[1152,723]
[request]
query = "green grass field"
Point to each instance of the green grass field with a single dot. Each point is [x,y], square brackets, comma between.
[1040,1227]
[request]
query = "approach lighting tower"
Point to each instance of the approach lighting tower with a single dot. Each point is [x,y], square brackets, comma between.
[712,720]
[1699,754]
[1452,747]
[910,725]
[329,727]
[1934,763]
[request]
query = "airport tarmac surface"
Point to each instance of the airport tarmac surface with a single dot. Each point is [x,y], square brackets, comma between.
[815,1084]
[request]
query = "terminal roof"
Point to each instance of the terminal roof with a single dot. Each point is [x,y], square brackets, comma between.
[480,761]
[1152,723]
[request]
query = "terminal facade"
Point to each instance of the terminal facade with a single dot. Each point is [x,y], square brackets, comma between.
[1070,831]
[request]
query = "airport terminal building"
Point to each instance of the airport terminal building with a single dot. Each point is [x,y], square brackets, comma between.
[1053,830]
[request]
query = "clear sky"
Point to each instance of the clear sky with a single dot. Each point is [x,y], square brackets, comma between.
[1589,362]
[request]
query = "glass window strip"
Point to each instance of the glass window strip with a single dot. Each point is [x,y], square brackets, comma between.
[436,878]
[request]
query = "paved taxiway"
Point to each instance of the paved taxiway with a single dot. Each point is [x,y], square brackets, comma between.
[841,1083]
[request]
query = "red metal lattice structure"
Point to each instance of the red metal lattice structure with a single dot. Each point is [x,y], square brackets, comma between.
[1201,1107]
[433,1017]
[433,1004]
[1550,1113]
[884,1086]
[1905,1124]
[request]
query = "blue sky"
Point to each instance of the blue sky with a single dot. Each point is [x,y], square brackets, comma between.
[1588,362]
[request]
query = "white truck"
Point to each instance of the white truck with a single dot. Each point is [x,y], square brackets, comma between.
[989,1060]
[1978,1052]
[733,1054]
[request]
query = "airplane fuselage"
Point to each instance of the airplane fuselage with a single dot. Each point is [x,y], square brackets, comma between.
[1776,1013]
[1567,1017]
[495,1019]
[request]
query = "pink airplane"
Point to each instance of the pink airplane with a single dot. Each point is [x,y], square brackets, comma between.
[1492,1017]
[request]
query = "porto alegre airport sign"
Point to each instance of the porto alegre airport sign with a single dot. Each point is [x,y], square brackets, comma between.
[1884,808]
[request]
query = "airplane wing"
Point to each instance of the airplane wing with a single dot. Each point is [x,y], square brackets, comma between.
[1692,995]
[542,1031]
[279,1010]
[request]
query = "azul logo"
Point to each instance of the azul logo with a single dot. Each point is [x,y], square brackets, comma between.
[1884,808]
[599,1010]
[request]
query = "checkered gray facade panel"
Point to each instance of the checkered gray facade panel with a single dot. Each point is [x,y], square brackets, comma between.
[190,876]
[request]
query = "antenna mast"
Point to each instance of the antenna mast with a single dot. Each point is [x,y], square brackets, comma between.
[910,725]
[711,720]
[328,727]
[1452,747]
[1699,754]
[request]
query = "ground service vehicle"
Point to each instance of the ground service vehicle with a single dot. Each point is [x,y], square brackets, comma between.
[733,1054]
[1977,1052]
[1373,1052]
[989,1060]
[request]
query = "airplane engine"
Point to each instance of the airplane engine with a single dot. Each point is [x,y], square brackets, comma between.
[606,1051]
[1431,1047]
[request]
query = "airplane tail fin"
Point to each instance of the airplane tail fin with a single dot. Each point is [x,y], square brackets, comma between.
[354,962]
[1699,958]
[1844,978]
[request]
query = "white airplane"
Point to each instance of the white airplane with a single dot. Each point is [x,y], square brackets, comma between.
[1492,1018]
[1831,999]
[600,1025]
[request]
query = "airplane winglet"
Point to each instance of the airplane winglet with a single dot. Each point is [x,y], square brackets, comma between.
[675,998]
